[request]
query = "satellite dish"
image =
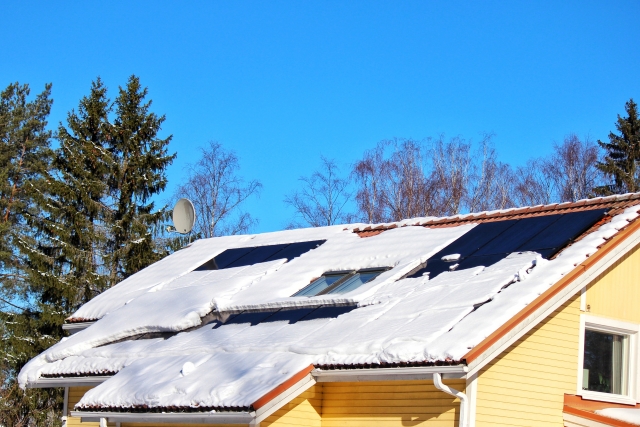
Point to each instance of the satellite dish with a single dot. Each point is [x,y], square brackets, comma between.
[184,216]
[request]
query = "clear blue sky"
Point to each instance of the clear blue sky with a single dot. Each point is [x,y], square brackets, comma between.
[283,82]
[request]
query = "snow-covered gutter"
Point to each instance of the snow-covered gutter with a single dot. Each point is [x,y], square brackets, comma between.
[69,381]
[195,418]
[72,328]
[390,374]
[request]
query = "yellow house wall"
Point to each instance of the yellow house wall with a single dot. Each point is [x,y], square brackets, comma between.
[304,410]
[390,403]
[616,293]
[525,386]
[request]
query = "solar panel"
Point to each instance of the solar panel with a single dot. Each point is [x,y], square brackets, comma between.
[328,312]
[294,250]
[253,317]
[563,231]
[519,233]
[477,261]
[290,316]
[257,255]
[223,259]
[475,238]
[240,257]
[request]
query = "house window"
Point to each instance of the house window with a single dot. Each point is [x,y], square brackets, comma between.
[339,282]
[605,362]
[608,360]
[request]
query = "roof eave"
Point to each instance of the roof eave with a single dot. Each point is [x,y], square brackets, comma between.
[193,418]
[93,380]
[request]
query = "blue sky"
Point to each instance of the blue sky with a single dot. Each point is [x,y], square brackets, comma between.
[282,83]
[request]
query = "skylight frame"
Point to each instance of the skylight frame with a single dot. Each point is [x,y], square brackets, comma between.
[348,274]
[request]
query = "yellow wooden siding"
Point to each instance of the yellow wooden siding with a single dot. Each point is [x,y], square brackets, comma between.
[525,386]
[616,293]
[304,410]
[389,403]
[75,394]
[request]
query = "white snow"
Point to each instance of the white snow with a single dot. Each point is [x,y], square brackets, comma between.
[628,415]
[396,320]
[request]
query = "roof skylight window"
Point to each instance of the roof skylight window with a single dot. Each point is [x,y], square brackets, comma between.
[339,282]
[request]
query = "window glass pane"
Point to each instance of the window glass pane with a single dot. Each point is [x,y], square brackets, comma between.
[319,285]
[604,359]
[354,282]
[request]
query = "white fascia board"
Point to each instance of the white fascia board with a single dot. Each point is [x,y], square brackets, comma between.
[68,382]
[285,397]
[72,328]
[390,374]
[554,303]
[189,417]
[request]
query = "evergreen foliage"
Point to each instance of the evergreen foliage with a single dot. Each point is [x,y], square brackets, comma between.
[623,154]
[84,222]
[137,173]
[25,158]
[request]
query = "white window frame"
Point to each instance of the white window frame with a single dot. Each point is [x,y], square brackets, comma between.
[612,326]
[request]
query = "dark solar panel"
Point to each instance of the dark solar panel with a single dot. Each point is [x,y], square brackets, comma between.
[522,231]
[477,237]
[563,231]
[328,312]
[290,316]
[249,317]
[257,255]
[223,259]
[476,261]
[240,257]
[294,250]
[434,267]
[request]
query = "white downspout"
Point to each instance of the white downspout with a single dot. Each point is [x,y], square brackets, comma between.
[103,422]
[464,401]
[65,407]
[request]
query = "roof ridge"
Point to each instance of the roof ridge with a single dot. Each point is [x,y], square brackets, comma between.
[613,201]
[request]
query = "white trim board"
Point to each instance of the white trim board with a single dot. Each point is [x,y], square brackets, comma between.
[390,374]
[194,418]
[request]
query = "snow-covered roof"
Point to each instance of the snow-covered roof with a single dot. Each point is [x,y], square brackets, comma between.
[230,335]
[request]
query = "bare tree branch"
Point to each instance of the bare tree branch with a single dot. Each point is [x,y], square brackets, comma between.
[217,192]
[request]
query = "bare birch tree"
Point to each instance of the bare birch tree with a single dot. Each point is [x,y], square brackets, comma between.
[322,200]
[217,192]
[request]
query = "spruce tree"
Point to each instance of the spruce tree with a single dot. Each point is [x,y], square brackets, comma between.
[620,164]
[138,172]
[25,158]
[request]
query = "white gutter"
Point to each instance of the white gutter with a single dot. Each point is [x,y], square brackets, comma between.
[390,374]
[193,418]
[72,328]
[68,381]
[464,402]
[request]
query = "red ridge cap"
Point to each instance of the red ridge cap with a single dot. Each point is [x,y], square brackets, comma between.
[281,388]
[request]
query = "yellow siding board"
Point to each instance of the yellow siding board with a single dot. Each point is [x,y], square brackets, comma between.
[616,294]
[525,386]
[389,404]
[304,410]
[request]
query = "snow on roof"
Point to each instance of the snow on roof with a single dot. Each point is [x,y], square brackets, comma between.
[628,415]
[399,317]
